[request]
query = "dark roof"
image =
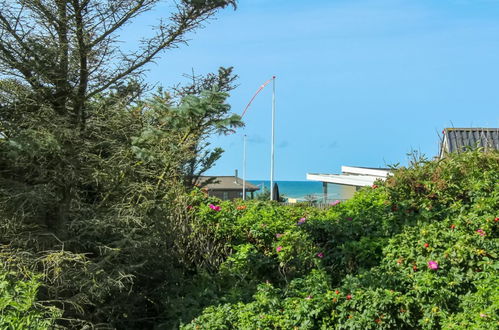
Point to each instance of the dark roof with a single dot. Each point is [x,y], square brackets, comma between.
[226,183]
[459,139]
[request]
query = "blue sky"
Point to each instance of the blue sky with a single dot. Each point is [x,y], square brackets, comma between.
[359,82]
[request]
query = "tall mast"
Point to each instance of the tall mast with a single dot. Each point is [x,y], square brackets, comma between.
[272,142]
[244,167]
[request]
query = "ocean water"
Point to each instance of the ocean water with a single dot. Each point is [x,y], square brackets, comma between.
[301,189]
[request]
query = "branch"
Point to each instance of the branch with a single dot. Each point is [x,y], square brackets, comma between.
[50,17]
[18,66]
[137,9]
[186,23]
[15,35]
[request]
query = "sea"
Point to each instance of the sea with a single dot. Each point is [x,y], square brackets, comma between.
[302,190]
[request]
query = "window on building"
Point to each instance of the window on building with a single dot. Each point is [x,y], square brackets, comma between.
[225,195]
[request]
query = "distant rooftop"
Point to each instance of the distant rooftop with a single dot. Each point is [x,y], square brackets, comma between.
[226,183]
[459,139]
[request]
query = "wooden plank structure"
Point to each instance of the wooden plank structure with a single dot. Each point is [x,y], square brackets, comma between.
[461,139]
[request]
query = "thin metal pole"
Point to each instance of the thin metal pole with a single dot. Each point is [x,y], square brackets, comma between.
[272,143]
[244,167]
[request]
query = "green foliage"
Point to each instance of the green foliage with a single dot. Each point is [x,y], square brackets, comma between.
[264,195]
[477,309]
[93,200]
[200,114]
[19,308]
[93,170]
[98,249]
[419,251]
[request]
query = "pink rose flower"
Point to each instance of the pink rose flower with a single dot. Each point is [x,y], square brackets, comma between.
[278,235]
[320,255]
[336,202]
[433,265]
[279,249]
[480,232]
[302,221]
[215,207]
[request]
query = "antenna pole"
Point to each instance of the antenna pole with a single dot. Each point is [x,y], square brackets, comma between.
[244,167]
[272,142]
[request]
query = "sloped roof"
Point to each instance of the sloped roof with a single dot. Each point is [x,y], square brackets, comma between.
[458,139]
[226,183]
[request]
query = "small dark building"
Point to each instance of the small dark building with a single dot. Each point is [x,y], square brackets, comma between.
[226,187]
[460,139]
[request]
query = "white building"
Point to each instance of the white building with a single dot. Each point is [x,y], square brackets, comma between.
[351,179]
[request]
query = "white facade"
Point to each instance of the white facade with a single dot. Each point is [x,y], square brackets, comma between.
[351,178]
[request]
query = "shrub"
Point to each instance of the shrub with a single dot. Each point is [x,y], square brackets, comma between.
[419,251]
[19,308]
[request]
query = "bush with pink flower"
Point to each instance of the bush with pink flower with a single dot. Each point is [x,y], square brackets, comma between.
[418,252]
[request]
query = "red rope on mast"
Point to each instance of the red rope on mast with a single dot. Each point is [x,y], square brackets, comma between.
[257,92]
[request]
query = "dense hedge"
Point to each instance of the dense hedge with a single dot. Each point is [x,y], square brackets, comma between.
[417,251]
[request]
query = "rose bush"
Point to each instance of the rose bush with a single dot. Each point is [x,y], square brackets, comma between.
[417,251]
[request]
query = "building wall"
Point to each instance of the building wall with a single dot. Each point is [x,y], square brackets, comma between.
[226,194]
[348,191]
[345,192]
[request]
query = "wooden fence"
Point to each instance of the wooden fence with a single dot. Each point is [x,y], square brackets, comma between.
[319,205]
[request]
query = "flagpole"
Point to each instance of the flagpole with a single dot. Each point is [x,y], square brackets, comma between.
[273,126]
[244,167]
[272,143]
